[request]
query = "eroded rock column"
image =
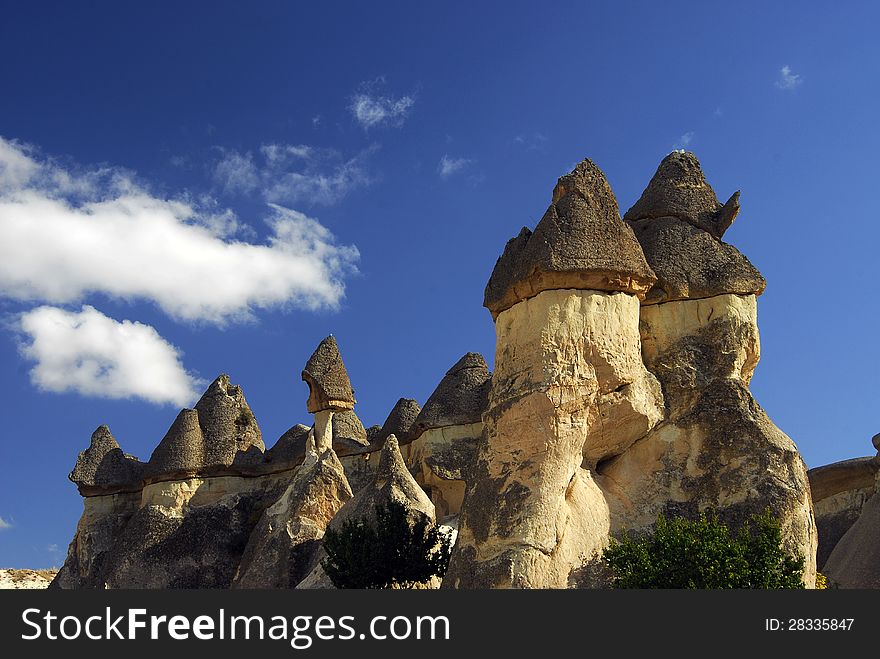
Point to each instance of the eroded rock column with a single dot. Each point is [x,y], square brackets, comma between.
[569,390]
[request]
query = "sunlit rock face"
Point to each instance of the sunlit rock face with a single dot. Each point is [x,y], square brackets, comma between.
[716,448]
[612,404]
[623,357]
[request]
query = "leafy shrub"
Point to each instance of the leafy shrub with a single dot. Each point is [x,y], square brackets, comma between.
[704,553]
[394,552]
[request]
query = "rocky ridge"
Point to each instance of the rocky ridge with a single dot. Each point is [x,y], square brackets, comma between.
[624,351]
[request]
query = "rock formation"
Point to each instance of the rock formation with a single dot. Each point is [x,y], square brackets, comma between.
[329,389]
[580,443]
[285,542]
[580,243]
[847,496]
[840,491]
[211,508]
[391,482]
[103,467]
[624,352]
[446,432]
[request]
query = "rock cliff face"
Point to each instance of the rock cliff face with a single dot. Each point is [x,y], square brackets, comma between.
[624,352]
[847,498]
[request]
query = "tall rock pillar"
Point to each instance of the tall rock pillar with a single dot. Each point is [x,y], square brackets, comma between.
[329,390]
[569,391]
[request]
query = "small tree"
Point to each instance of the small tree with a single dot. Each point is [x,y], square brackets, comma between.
[703,553]
[395,551]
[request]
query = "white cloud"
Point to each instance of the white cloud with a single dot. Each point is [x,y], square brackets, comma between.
[531,141]
[236,172]
[684,141]
[371,108]
[88,353]
[64,236]
[290,174]
[4,525]
[449,166]
[787,79]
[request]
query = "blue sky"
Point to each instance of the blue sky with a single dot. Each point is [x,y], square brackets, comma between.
[356,169]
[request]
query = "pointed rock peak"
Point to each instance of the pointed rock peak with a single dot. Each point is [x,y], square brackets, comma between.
[470,360]
[103,440]
[679,189]
[227,422]
[400,421]
[347,425]
[390,460]
[103,468]
[580,243]
[88,461]
[588,182]
[460,399]
[182,450]
[329,386]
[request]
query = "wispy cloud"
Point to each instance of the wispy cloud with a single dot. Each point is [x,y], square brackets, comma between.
[684,141]
[788,80]
[4,525]
[373,108]
[531,141]
[91,354]
[449,166]
[293,173]
[236,172]
[64,236]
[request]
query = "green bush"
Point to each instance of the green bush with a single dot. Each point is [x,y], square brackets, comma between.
[393,552]
[704,553]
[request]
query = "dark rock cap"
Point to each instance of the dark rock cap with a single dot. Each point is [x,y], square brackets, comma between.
[400,421]
[290,448]
[181,453]
[691,264]
[227,422]
[347,425]
[374,432]
[461,397]
[329,386]
[679,189]
[103,468]
[349,438]
[580,243]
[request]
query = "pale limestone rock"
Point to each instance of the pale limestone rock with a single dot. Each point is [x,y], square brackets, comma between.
[26,579]
[532,512]
[392,482]
[323,430]
[662,325]
[840,491]
[854,560]
[283,546]
[582,349]
[717,448]
[439,460]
